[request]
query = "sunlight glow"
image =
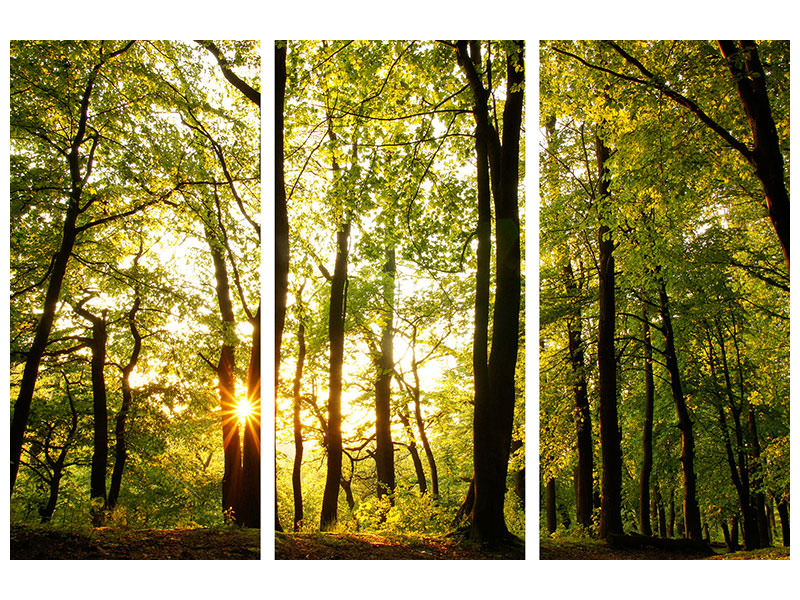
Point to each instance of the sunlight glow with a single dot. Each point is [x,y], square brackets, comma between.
[244,410]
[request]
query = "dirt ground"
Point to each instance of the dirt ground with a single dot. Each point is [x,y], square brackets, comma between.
[340,546]
[596,550]
[138,544]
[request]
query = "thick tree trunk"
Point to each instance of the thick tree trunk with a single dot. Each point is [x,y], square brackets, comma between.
[494,419]
[384,450]
[480,339]
[765,156]
[120,444]
[297,486]
[251,442]
[583,417]
[783,513]
[550,505]
[691,509]
[226,378]
[735,532]
[97,481]
[281,225]
[647,437]
[610,437]
[336,320]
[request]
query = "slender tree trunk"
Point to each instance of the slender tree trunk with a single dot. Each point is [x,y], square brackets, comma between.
[281,226]
[412,450]
[765,156]
[759,507]
[426,445]
[671,526]
[647,437]
[297,486]
[584,481]
[121,445]
[610,437]
[742,471]
[384,450]
[662,516]
[550,505]
[336,319]
[691,509]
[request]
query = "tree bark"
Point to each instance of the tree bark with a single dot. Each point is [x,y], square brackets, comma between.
[765,156]
[384,450]
[281,225]
[494,412]
[610,436]
[691,510]
[584,481]
[99,338]
[783,513]
[647,437]
[336,321]
[426,445]
[297,486]
[412,450]
[250,504]
[121,444]
[550,505]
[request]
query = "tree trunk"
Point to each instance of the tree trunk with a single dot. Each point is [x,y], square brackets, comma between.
[22,407]
[336,321]
[765,156]
[647,437]
[783,513]
[691,509]
[584,481]
[758,498]
[610,437]
[384,450]
[97,483]
[671,526]
[297,489]
[120,445]
[741,473]
[550,505]
[735,532]
[281,226]
[426,445]
[412,450]
[480,338]
[226,378]
[251,443]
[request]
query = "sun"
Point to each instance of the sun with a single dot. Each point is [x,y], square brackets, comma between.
[244,410]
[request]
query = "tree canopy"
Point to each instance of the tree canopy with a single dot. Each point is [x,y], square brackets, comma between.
[652,150]
[135,203]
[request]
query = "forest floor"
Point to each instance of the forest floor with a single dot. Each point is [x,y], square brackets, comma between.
[49,543]
[364,546]
[589,549]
